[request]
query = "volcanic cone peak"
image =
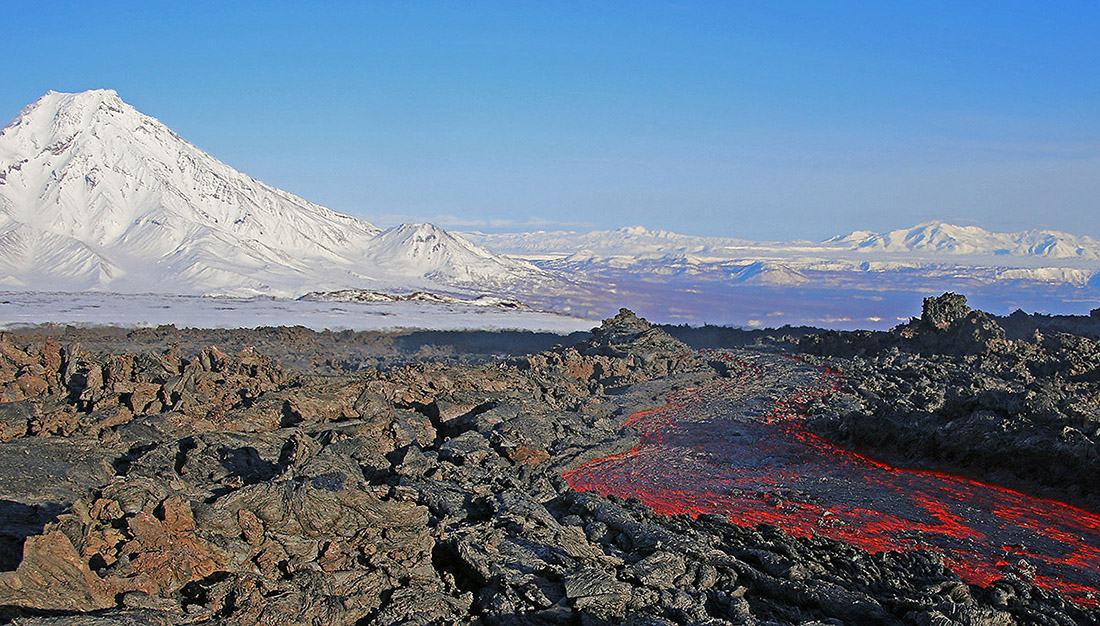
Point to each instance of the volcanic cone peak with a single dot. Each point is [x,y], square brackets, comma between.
[97,195]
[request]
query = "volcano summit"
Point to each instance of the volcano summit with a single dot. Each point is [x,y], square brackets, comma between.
[96,195]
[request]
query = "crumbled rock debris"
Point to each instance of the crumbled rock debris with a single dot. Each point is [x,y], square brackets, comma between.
[220,487]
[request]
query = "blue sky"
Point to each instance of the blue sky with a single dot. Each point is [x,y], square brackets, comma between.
[761,120]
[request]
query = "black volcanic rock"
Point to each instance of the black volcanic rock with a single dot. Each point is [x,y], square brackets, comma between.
[1022,412]
[625,349]
[618,335]
[222,489]
[947,326]
[977,332]
[627,335]
[940,312]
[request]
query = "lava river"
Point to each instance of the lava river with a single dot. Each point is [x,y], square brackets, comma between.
[739,448]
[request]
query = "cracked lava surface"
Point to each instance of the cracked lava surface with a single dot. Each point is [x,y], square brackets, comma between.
[739,448]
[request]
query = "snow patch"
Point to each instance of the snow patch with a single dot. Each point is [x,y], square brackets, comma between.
[143,310]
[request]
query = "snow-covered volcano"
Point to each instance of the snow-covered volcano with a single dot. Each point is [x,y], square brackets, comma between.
[96,195]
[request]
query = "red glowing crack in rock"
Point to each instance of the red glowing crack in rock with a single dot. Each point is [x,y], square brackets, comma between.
[739,448]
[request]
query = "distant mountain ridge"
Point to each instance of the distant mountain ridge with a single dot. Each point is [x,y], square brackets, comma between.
[929,256]
[941,237]
[934,238]
[96,195]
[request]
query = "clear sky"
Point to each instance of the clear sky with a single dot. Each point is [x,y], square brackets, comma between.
[746,119]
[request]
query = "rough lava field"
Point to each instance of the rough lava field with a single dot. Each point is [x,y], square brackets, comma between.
[740,448]
[901,477]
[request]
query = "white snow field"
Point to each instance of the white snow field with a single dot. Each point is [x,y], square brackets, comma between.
[138,310]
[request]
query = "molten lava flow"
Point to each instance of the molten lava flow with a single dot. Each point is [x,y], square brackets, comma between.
[739,447]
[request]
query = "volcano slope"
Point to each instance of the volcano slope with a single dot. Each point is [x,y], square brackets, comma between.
[155,488]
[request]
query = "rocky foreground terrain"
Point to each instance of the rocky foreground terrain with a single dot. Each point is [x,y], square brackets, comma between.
[177,485]
[1014,401]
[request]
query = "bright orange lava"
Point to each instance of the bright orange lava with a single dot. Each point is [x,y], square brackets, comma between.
[739,447]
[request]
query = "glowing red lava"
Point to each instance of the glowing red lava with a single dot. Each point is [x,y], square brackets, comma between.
[739,448]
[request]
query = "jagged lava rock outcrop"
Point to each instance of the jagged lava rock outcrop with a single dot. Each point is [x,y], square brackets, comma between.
[623,350]
[947,326]
[951,391]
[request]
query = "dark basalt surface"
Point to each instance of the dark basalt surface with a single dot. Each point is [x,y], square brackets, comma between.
[174,486]
[955,392]
[739,447]
[306,351]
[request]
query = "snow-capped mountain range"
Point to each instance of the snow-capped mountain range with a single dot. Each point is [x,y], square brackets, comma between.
[932,251]
[96,195]
[934,239]
[940,238]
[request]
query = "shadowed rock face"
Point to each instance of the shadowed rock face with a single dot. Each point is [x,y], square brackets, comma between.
[1021,412]
[941,312]
[947,327]
[153,488]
